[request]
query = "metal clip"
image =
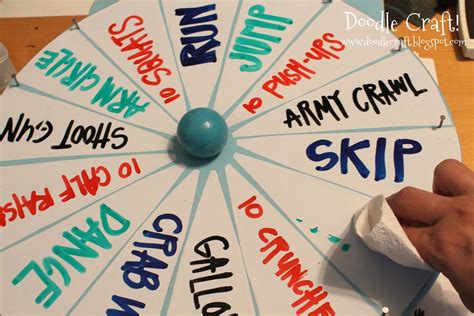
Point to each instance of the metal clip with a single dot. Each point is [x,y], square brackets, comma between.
[76,26]
[15,80]
[441,121]
[327,1]
[401,43]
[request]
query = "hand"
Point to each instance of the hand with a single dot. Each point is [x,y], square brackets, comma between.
[441,224]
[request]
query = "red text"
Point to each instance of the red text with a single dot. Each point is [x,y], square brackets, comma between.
[132,37]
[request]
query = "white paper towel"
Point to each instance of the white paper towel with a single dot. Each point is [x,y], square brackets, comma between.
[380,230]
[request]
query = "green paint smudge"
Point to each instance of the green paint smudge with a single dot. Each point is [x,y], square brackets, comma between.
[346,247]
[299,220]
[333,239]
[314,230]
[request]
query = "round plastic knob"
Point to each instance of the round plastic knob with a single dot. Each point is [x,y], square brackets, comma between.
[202,133]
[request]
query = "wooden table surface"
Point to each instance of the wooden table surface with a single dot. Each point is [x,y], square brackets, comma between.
[25,37]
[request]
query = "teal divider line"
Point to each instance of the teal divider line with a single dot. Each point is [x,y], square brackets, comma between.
[251,154]
[408,311]
[40,160]
[374,12]
[372,8]
[221,174]
[203,176]
[51,225]
[427,286]
[33,90]
[106,56]
[231,109]
[186,99]
[430,282]
[178,181]
[100,5]
[448,110]
[254,183]
[212,100]
[241,124]
[349,131]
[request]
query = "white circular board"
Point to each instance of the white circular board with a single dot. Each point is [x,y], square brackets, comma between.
[101,212]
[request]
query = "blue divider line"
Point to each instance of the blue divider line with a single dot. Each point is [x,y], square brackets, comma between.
[251,154]
[99,5]
[163,15]
[241,170]
[349,131]
[212,100]
[51,225]
[241,124]
[40,160]
[139,87]
[372,8]
[33,90]
[231,109]
[178,181]
[221,173]
[408,311]
[203,176]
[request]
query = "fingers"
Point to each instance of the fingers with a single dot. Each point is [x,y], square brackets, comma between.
[414,233]
[417,236]
[452,178]
[415,205]
[420,238]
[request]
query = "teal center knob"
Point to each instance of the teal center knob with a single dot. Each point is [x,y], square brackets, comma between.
[202,133]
